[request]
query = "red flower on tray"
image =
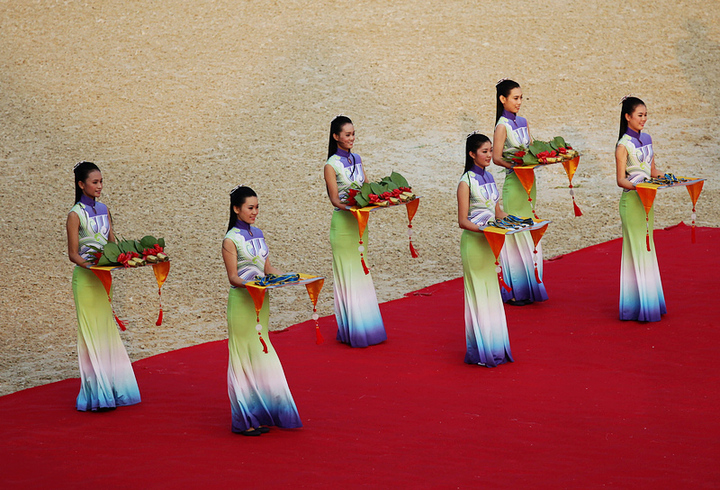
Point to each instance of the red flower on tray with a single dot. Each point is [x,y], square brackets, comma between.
[125,257]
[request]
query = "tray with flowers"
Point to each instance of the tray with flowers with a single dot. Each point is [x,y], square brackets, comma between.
[131,253]
[127,254]
[388,191]
[539,152]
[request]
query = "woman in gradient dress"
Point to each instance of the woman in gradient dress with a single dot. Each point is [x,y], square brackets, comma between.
[259,394]
[641,293]
[107,379]
[511,131]
[356,306]
[486,334]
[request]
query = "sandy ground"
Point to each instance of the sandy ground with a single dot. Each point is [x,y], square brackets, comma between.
[178,102]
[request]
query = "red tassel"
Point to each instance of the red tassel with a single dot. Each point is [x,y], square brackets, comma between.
[365,267]
[160,318]
[263,344]
[502,283]
[318,336]
[413,252]
[120,323]
[537,275]
[647,242]
[577,208]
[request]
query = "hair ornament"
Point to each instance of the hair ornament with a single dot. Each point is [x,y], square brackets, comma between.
[500,81]
[77,165]
[339,115]
[236,188]
[625,98]
[472,134]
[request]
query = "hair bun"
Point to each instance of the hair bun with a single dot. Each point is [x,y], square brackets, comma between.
[236,188]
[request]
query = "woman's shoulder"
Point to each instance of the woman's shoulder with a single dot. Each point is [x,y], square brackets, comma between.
[624,140]
[334,161]
[236,234]
[503,121]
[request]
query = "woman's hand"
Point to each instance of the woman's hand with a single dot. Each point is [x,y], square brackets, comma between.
[332,188]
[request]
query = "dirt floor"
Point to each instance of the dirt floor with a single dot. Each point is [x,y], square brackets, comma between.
[179,102]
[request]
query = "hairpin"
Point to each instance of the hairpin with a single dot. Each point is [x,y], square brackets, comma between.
[236,188]
[77,165]
[472,134]
[625,98]
[500,81]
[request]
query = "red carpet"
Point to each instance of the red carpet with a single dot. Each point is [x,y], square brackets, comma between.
[590,402]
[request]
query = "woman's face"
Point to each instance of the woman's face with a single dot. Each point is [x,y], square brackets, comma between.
[346,138]
[513,101]
[92,186]
[483,156]
[248,211]
[636,121]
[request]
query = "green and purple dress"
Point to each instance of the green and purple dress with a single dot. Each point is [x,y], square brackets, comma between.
[107,379]
[641,292]
[486,334]
[356,307]
[517,254]
[258,391]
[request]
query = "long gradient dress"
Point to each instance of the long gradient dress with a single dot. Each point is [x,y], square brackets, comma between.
[258,391]
[356,306]
[486,334]
[641,293]
[517,254]
[107,379]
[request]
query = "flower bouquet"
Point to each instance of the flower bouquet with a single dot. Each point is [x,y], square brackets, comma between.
[388,191]
[132,253]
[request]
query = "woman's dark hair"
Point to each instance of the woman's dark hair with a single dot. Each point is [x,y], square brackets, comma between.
[82,171]
[503,88]
[237,198]
[473,142]
[336,126]
[628,107]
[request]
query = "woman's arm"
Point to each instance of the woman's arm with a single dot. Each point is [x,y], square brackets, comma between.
[332,188]
[269,269]
[73,239]
[529,135]
[229,254]
[654,172]
[498,145]
[111,232]
[621,156]
[499,213]
[463,198]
